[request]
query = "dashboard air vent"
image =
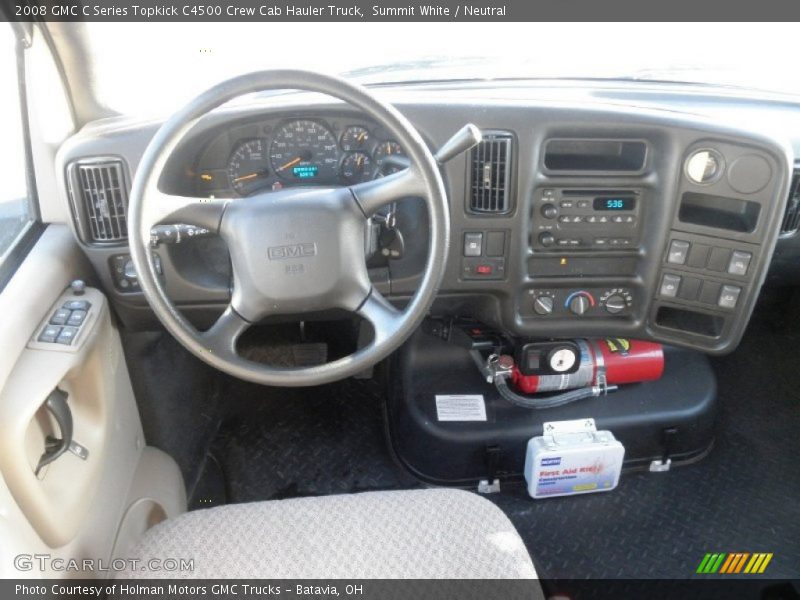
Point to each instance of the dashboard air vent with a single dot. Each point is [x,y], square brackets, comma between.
[99,196]
[791,221]
[490,174]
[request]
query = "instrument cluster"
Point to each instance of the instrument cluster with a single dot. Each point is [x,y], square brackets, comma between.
[270,155]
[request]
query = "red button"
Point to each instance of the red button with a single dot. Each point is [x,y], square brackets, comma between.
[483,269]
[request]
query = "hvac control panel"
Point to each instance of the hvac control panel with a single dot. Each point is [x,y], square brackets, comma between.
[564,219]
[575,303]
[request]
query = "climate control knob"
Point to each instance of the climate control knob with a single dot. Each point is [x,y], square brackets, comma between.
[579,304]
[543,305]
[615,304]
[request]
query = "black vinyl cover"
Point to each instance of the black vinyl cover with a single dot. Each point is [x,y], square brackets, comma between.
[675,414]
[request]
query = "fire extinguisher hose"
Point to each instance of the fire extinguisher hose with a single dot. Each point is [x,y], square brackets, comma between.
[551,401]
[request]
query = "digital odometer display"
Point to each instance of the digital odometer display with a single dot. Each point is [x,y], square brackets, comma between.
[614,203]
[305,171]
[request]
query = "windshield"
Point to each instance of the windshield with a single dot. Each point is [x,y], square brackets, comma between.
[156,67]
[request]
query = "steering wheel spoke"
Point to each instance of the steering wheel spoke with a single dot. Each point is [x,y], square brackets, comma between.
[384,317]
[377,193]
[220,339]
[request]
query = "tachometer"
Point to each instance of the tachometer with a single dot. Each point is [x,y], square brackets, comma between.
[304,150]
[248,167]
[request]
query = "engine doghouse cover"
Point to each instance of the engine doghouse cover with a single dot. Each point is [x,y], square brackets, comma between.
[447,425]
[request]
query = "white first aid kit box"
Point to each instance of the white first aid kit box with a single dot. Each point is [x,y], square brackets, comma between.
[572,457]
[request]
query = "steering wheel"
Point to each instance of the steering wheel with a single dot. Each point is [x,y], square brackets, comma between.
[295,250]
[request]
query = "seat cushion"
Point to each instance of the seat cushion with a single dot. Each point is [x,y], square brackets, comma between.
[430,533]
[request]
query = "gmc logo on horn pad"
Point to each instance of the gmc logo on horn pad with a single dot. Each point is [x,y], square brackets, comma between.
[292,251]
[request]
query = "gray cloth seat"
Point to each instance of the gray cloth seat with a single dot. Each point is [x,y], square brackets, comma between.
[430,533]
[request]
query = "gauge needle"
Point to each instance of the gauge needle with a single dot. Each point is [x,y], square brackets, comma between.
[291,163]
[246,177]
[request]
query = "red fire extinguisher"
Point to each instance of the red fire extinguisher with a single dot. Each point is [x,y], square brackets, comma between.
[600,362]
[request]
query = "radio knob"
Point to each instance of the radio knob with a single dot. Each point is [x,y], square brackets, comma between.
[543,305]
[579,304]
[549,211]
[615,304]
[547,239]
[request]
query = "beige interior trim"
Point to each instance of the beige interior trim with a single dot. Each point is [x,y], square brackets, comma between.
[75,508]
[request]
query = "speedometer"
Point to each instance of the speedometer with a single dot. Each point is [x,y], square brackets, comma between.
[304,150]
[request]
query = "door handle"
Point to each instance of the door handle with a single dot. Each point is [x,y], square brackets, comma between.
[56,403]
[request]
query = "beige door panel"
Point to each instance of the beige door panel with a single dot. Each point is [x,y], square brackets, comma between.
[75,506]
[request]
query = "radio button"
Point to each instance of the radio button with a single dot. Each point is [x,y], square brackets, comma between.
[602,219]
[583,204]
[565,204]
[618,219]
[601,241]
[564,219]
[547,239]
[678,252]
[669,286]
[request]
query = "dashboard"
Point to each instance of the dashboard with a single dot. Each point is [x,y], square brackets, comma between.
[594,212]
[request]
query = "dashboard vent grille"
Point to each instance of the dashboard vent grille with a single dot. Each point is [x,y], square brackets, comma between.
[490,174]
[791,221]
[100,198]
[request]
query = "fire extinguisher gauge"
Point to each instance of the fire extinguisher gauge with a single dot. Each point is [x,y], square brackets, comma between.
[562,359]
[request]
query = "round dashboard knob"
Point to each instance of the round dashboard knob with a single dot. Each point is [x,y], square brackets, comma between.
[615,304]
[579,304]
[547,239]
[543,305]
[549,211]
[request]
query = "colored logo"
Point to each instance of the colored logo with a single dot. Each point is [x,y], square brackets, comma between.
[620,345]
[734,562]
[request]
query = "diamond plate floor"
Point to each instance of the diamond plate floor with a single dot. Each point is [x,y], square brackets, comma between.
[304,442]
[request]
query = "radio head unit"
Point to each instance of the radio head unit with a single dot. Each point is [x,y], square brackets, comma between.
[598,219]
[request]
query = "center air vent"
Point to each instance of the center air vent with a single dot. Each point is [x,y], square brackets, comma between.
[791,221]
[490,174]
[99,194]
